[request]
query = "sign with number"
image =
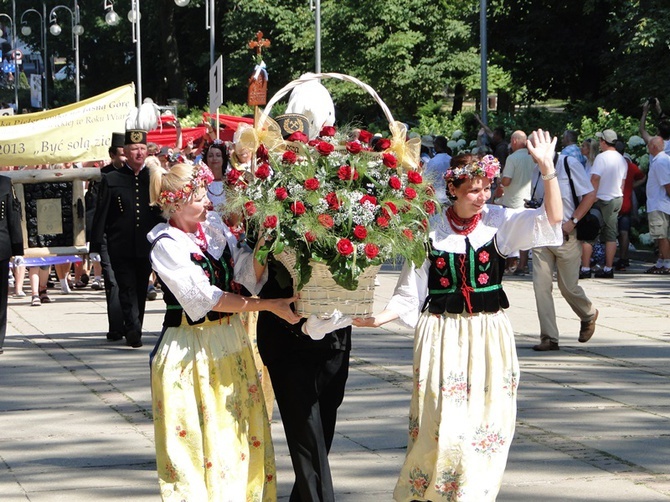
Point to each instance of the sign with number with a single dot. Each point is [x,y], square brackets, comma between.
[216,85]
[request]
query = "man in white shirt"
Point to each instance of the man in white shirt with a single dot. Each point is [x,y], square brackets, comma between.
[607,177]
[564,258]
[515,186]
[658,203]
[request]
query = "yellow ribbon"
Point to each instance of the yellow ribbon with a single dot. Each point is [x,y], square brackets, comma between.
[269,134]
[406,151]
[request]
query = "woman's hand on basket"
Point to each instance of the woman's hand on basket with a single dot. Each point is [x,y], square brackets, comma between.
[281,307]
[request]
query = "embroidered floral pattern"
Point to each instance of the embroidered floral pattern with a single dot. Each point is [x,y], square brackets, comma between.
[413,428]
[487,441]
[449,486]
[511,383]
[483,257]
[455,388]
[418,481]
[444,282]
[483,279]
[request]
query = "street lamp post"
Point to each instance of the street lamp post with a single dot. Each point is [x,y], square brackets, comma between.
[25,30]
[316,7]
[77,29]
[209,24]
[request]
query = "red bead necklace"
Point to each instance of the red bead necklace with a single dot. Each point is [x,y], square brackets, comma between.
[462,226]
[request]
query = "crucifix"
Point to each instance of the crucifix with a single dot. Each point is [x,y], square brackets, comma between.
[258,82]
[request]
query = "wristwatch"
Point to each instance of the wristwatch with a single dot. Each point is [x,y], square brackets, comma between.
[574,220]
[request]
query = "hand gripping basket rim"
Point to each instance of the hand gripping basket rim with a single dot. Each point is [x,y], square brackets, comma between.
[322,295]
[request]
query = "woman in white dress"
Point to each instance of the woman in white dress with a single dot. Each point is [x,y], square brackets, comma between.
[463,407]
[211,428]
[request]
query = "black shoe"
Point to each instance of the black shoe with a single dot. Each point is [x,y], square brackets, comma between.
[114,336]
[585,274]
[134,339]
[151,293]
[1,351]
[622,264]
[602,274]
[545,345]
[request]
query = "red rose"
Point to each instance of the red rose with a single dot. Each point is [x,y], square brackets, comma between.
[440,263]
[325,220]
[345,247]
[382,222]
[333,201]
[410,193]
[414,177]
[263,171]
[371,251]
[368,198]
[312,184]
[298,208]
[395,183]
[392,207]
[262,153]
[382,144]
[360,232]
[310,237]
[429,207]
[281,193]
[389,160]
[444,282]
[408,233]
[354,147]
[298,136]
[327,131]
[364,136]
[289,157]
[347,173]
[270,221]
[233,176]
[313,142]
[250,208]
[324,148]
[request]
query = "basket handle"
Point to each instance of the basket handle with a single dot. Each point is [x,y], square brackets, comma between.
[318,76]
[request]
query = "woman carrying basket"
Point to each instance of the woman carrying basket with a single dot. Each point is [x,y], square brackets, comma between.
[463,407]
[212,431]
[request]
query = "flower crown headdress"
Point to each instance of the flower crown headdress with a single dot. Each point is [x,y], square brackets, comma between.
[486,167]
[201,176]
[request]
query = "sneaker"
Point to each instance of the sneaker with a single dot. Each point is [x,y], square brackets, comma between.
[587,328]
[96,284]
[151,293]
[585,274]
[605,274]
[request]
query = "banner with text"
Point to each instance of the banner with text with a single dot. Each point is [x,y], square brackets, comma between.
[74,133]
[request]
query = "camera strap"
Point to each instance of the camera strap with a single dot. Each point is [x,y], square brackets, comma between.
[572,185]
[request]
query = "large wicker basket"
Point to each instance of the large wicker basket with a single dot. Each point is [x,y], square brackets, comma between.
[322,295]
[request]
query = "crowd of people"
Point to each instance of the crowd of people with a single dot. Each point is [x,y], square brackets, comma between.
[230,331]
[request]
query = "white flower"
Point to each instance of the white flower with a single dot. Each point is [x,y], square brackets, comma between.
[456,134]
[646,239]
[634,141]
[452,144]
[461,143]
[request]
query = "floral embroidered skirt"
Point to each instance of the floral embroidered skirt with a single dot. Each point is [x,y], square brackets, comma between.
[211,428]
[463,408]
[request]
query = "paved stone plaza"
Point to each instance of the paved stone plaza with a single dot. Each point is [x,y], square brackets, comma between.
[593,420]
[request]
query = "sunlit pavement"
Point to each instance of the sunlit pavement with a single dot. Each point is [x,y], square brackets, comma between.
[593,420]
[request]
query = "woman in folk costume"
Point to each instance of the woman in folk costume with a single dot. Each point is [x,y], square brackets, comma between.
[463,407]
[211,428]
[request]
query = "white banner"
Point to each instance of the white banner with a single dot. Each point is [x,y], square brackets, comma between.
[36,90]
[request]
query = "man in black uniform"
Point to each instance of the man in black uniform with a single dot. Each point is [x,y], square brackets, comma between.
[114,312]
[11,244]
[124,216]
[309,373]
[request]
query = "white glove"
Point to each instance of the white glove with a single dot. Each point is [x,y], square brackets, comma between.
[94,257]
[18,261]
[317,328]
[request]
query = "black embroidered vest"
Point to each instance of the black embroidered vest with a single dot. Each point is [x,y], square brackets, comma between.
[470,282]
[220,274]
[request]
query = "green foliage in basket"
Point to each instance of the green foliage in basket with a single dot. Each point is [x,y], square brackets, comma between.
[337,200]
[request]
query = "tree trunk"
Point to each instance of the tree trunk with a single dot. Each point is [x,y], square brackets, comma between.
[459,94]
[173,85]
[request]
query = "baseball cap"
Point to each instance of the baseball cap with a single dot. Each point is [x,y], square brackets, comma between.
[608,135]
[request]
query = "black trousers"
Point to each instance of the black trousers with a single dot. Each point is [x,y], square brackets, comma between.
[114,311]
[4,292]
[309,387]
[132,277]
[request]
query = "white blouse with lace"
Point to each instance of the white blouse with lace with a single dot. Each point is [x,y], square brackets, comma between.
[171,260]
[514,229]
